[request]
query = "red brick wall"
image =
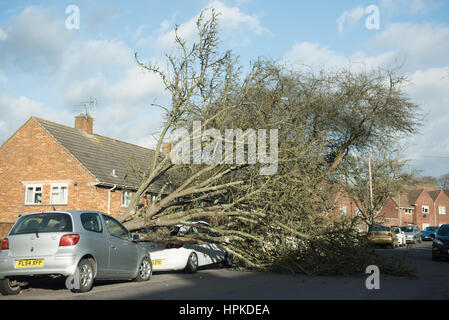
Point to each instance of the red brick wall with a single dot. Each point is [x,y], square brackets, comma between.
[31,155]
[4,229]
[389,213]
[442,200]
[419,217]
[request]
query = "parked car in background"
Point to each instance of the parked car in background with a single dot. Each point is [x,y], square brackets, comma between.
[429,233]
[440,245]
[382,235]
[400,235]
[82,245]
[185,256]
[412,234]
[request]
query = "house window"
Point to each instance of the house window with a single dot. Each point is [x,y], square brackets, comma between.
[442,210]
[358,212]
[343,210]
[126,198]
[33,194]
[408,211]
[425,209]
[58,193]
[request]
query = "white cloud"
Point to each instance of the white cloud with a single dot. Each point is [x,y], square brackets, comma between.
[73,69]
[35,41]
[234,25]
[3,35]
[350,17]
[417,45]
[317,56]
[15,112]
[429,88]
[420,53]
[411,6]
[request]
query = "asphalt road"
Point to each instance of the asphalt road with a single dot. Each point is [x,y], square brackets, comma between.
[226,284]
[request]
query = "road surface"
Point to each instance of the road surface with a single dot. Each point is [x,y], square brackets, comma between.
[226,284]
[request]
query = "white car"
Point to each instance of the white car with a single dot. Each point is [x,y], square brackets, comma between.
[187,257]
[400,235]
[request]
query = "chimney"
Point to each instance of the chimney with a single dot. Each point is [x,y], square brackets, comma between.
[84,122]
[166,147]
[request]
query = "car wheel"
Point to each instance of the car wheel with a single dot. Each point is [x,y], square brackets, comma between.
[192,263]
[9,287]
[86,277]
[145,270]
[228,261]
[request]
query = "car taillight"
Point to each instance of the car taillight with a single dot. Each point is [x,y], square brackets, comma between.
[175,246]
[389,234]
[69,240]
[5,244]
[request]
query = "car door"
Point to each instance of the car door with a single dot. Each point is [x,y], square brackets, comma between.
[122,250]
[97,241]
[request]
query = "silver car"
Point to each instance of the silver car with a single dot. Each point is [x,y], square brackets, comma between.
[79,245]
[412,234]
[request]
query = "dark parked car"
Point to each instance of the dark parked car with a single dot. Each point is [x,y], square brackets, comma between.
[440,246]
[429,233]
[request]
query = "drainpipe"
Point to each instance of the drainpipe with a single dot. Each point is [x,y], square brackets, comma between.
[109,198]
[435,212]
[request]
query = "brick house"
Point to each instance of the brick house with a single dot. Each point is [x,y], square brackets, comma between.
[47,166]
[421,205]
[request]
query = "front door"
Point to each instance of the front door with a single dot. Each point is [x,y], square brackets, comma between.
[122,251]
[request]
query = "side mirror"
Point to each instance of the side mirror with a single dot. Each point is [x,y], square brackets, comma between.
[136,237]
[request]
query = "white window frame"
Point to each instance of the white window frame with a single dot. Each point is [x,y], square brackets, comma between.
[34,186]
[343,210]
[59,186]
[408,211]
[425,207]
[441,210]
[126,198]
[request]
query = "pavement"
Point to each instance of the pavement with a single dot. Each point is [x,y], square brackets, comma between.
[216,283]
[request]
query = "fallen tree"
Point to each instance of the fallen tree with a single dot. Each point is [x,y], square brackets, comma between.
[317,120]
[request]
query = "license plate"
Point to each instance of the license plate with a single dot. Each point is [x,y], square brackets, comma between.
[30,263]
[157,262]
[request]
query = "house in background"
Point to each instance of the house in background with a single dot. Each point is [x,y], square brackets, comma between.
[49,166]
[421,205]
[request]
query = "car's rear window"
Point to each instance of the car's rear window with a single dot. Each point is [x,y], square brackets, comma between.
[407,228]
[43,222]
[379,228]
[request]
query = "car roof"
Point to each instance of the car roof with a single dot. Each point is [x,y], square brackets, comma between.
[72,212]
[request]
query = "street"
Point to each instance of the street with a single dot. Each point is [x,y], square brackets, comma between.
[218,283]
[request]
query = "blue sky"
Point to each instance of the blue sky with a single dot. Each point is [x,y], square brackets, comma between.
[46,69]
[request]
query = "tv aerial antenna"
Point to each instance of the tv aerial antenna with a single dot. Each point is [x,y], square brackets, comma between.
[87,104]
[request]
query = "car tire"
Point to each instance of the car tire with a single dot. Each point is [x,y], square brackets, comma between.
[435,258]
[228,261]
[192,263]
[7,289]
[86,276]
[145,270]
